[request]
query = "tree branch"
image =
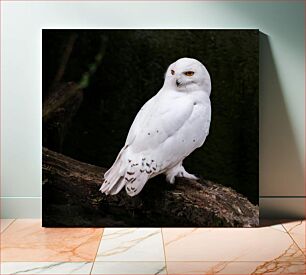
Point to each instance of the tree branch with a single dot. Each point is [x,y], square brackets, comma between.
[71,197]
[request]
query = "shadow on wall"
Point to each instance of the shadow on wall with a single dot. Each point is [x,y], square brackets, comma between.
[280,167]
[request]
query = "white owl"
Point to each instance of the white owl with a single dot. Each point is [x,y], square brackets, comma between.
[170,126]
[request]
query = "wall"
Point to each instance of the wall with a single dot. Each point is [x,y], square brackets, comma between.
[282,71]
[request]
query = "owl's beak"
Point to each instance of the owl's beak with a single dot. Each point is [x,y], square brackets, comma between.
[177,83]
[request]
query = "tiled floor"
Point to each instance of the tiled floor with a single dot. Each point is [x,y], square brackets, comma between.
[27,248]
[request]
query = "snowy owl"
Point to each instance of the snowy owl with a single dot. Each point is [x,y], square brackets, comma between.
[168,127]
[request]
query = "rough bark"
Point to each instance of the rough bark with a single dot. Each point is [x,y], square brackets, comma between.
[71,197]
[59,109]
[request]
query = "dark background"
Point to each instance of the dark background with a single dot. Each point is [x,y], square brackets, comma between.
[131,71]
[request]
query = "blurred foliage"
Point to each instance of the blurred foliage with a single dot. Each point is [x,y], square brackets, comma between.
[131,71]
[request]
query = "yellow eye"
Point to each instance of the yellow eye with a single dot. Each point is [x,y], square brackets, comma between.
[189,73]
[172,72]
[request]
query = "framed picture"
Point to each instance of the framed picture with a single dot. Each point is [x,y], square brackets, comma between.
[150,128]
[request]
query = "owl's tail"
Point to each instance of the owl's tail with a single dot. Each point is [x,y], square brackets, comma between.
[113,181]
[114,177]
[130,173]
[112,184]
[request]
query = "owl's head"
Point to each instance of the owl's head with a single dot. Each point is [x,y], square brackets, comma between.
[188,74]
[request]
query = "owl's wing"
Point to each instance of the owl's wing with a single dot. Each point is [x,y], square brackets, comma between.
[156,124]
[164,132]
[158,140]
[116,177]
[140,118]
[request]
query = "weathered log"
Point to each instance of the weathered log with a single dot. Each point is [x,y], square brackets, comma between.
[71,197]
[60,96]
[59,109]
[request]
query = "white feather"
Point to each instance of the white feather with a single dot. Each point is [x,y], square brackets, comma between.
[166,130]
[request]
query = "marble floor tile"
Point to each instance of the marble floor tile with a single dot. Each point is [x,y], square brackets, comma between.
[273,267]
[4,223]
[46,268]
[297,230]
[131,244]
[229,244]
[129,268]
[26,241]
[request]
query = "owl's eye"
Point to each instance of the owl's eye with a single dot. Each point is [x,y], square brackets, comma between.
[172,72]
[189,73]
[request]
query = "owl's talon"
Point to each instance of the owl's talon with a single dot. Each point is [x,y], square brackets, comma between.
[170,178]
[180,172]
